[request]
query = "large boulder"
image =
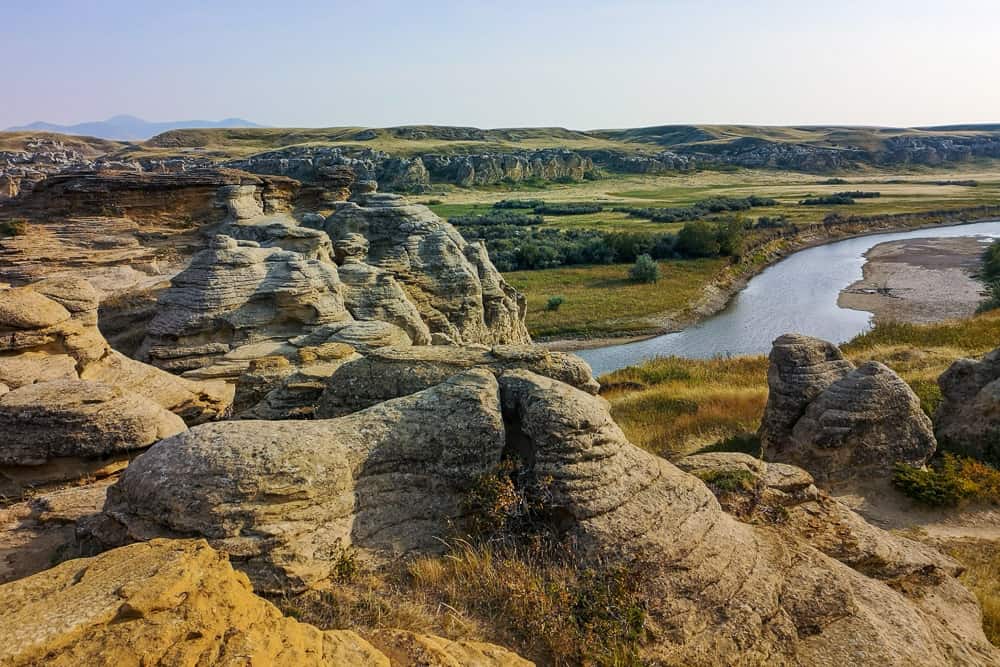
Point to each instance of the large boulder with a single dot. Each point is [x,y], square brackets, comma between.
[456,289]
[837,421]
[284,499]
[390,372]
[968,418]
[178,602]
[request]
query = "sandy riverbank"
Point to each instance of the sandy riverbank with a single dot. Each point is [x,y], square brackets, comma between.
[918,280]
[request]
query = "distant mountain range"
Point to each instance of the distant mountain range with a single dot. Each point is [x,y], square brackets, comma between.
[130,128]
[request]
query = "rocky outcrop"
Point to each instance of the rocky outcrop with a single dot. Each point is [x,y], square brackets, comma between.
[968,418]
[490,168]
[284,498]
[455,288]
[372,293]
[175,602]
[784,498]
[236,293]
[69,395]
[838,421]
[388,373]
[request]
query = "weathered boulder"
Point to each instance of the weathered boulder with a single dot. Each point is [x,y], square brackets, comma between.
[836,421]
[285,498]
[236,293]
[784,498]
[178,602]
[968,418]
[800,369]
[79,419]
[281,231]
[390,372]
[48,331]
[455,288]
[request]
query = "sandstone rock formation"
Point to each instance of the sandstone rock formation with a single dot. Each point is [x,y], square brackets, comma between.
[389,372]
[68,395]
[178,602]
[284,498]
[968,418]
[236,293]
[456,289]
[838,421]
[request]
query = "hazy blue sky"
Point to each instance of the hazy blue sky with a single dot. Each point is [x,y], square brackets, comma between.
[576,64]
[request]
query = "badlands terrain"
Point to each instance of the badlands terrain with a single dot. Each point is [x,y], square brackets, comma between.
[275,397]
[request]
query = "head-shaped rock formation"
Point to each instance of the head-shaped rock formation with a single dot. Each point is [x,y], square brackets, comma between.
[837,421]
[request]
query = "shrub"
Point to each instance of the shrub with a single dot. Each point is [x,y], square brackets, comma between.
[729,481]
[698,239]
[554,302]
[567,209]
[13,228]
[950,481]
[518,203]
[645,270]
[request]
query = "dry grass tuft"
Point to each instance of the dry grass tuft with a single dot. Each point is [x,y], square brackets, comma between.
[982,576]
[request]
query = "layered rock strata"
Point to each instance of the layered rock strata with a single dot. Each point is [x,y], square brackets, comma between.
[173,602]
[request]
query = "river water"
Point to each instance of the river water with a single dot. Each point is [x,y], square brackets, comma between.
[798,294]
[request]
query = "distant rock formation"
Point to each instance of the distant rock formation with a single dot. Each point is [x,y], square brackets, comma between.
[837,421]
[178,602]
[283,498]
[968,418]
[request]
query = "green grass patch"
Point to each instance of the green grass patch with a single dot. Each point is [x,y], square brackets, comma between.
[601,300]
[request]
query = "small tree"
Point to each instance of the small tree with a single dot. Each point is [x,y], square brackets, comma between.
[554,303]
[645,270]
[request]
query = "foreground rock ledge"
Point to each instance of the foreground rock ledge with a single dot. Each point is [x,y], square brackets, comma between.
[283,498]
[178,602]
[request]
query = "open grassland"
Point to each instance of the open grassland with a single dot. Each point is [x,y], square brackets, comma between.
[674,406]
[981,559]
[602,300]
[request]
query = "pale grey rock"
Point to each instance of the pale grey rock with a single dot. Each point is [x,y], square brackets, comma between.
[862,425]
[390,372]
[285,498]
[78,419]
[800,369]
[464,298]
[281,231]
[968,418]
[837,421]
[234,295]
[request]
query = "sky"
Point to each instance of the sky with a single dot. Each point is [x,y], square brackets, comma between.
[581,65]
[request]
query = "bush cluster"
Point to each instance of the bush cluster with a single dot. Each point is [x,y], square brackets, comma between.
[697,210]
[839,198]
[497,218]
[951,480]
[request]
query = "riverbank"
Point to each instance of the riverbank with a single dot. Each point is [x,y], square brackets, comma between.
[717,294]
[919,281]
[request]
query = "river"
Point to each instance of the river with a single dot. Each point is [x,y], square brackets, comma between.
[797,294]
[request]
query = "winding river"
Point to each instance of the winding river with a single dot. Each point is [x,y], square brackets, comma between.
[799,294]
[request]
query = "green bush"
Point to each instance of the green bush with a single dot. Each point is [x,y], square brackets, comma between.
[554,302]
[645,270]
[13,228]
[949,481]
